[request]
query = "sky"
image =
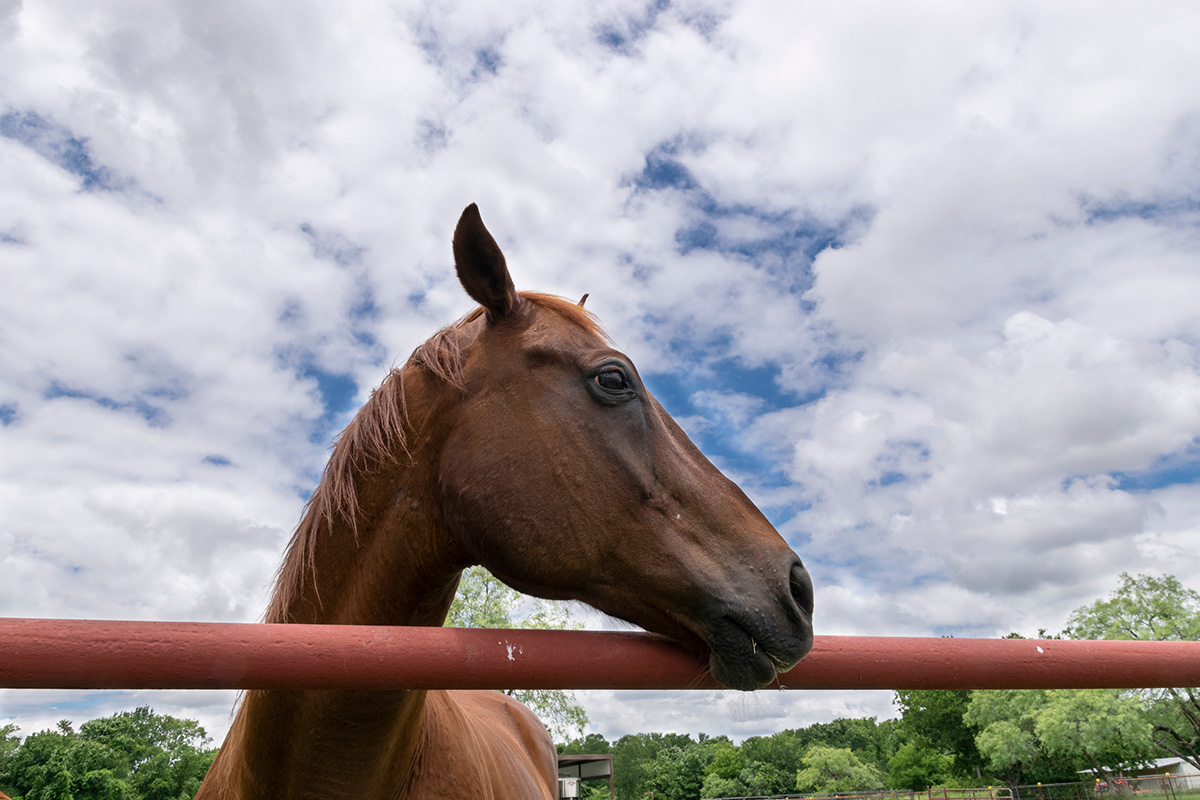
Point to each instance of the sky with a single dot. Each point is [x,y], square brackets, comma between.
[921,277]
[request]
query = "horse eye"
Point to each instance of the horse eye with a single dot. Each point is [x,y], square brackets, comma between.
[612,380]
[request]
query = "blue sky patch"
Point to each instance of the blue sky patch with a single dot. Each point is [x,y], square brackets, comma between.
[337,394]
[363,314]
[167,382]
[782,242]
[339,249]
[59,146]
[889,478]
[1099,212]
[664,171]
[332,246]
[292,312]
[487,61]
[901,462]
[1172,470]
[432,136]
[217,461]
[155,416]
[680,394]
[8,414]
[620,34]
[701,236]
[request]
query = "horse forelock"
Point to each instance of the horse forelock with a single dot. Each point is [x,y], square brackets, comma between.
[378,435]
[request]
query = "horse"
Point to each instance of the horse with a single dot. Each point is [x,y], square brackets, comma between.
[517,438]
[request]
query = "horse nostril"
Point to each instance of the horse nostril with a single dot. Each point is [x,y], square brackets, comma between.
[802,591]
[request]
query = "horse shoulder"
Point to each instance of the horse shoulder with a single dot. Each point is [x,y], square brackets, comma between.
[483,744]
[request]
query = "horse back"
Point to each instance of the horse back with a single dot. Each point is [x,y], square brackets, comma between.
[482,744]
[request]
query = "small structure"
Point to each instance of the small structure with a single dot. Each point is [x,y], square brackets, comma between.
[1185,774]
[574,770]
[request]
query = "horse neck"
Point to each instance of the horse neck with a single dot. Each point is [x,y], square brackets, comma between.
[390,564]
[372,548]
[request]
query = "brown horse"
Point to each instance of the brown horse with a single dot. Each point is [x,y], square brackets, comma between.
[519,439]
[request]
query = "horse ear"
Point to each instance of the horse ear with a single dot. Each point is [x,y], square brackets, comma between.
[481,268]
[583,299]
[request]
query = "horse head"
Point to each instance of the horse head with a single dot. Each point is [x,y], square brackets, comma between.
[560,472]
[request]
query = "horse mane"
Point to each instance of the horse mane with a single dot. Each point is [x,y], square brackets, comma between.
[378,435]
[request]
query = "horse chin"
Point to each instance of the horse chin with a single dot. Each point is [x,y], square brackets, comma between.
[739,661]
[743,674]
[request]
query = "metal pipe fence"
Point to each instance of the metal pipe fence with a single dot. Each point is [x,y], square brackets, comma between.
[98,654]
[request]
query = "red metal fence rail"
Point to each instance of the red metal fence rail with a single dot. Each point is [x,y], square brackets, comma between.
[97,654]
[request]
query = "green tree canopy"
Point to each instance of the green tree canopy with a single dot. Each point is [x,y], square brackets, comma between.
[1007,737]
[836,769]
[782,750]
[632,756]
[1048,734]
[592,744]
[1145,608]
[9,742]
[917,767]
[483,601]
[1104,726]
[874,742]
[726,762]
[717,786]
[133,755]
[932,719]
[677,773]
[1149,608]
[760,778]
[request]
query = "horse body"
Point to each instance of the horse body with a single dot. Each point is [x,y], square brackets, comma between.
[519,439]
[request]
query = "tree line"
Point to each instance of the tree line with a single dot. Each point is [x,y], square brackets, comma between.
[940,737]
[947,737]
[132,755]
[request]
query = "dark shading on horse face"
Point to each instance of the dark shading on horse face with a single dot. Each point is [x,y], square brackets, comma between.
[564,476]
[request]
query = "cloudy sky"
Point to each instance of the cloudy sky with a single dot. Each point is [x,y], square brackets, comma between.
[922,277]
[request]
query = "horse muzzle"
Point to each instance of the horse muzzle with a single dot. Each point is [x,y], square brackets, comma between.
[762,634]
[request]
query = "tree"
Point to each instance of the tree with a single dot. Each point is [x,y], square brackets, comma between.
[783,750]
[726,762]
[836,769]
[721,774]
[9,742]
[1148,608]
[483,601]
[592,744]
[133,755]
[1144,608]
[632,755]
[1104,726]
[716,786]
[932,719]
[917,767]
[1007,737]
[677,773]
[874,742]
[1052,732]
[761,778]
